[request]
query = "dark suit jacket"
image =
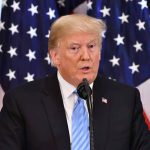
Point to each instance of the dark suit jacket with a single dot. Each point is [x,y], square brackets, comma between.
[33,117]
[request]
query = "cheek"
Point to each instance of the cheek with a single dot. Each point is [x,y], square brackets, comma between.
[70,65]
[96,63]
[97,58]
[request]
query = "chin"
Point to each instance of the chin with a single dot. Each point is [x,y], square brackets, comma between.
[89,78]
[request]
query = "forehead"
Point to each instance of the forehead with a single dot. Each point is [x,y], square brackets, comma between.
[80,38]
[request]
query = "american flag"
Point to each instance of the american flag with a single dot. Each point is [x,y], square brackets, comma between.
[24,32]
[126,47]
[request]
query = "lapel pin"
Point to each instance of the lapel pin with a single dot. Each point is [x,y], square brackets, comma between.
[104,100]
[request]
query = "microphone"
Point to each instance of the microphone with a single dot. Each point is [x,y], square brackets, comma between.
[85,92]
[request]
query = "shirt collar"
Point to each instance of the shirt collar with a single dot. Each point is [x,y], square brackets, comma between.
[67,88]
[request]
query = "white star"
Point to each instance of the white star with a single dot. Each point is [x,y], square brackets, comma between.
[31,55]
[32,32]
[13,29]
[11,74]
[48,34]
[89,4]
[61,3]
[33,9]
[47,58]
[123,18]
[114,61]
[103,34]
[29,77]
[141,24]
[119,39]
[4,3]
[143,4]
[2,25]
[15,6]
[51,13]
[1,48]
[134,68]
[138,46]
[105,11]
[12,51]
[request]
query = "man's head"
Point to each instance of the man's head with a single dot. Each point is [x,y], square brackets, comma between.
[74,46]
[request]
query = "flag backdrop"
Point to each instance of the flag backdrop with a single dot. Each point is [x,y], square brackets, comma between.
[126,47]
[24,30]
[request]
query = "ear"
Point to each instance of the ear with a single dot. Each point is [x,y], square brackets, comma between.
[54,55]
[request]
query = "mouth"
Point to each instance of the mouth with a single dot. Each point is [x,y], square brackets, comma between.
[85,69]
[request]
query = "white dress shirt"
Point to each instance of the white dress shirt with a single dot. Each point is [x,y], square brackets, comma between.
[69,99]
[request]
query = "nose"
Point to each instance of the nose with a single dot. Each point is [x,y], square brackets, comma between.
[85,55]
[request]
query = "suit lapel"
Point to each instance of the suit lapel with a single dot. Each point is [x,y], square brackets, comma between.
[53,104]
[54,107]
[101,113]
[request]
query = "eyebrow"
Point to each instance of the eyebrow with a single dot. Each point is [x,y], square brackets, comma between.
[75,43]
[93,41]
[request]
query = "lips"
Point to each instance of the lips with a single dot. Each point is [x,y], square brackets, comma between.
[85,69]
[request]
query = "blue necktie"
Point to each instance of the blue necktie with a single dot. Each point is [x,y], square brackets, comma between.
[80,127]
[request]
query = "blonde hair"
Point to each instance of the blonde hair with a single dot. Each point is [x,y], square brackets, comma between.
[74,23]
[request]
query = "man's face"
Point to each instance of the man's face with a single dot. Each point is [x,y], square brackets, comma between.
[77,57]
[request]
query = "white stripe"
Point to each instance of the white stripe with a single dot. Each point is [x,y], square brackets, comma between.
[1,96]
[145,96]
[81,9]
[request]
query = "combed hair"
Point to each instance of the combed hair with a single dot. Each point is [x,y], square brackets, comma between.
[74,23]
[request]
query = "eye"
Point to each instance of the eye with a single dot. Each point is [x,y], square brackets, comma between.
[74,48]
[91,46]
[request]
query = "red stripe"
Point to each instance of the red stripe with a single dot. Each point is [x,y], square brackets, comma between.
[147,120]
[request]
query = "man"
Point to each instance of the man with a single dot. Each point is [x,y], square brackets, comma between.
[38,115]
